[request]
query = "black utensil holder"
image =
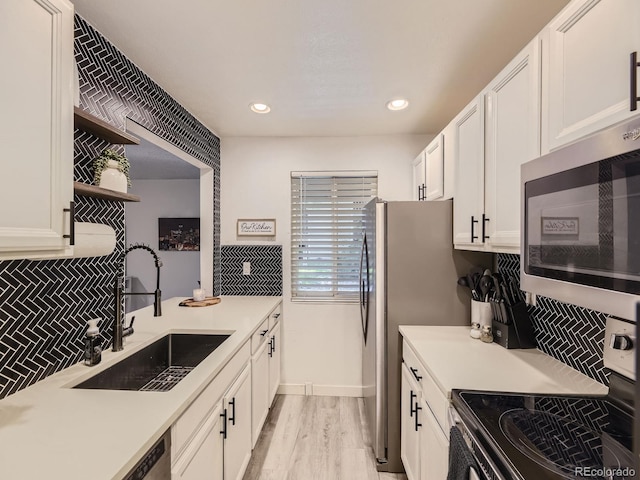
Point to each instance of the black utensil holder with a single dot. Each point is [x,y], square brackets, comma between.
[519,332]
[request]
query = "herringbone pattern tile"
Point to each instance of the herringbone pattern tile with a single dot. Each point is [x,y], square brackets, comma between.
[44,304]
[266,270]
[571,334]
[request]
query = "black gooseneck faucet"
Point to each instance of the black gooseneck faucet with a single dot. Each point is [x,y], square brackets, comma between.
[119,331]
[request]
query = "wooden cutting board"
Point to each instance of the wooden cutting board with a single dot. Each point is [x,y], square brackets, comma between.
[190,302]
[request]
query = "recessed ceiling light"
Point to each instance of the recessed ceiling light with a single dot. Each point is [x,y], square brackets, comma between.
[398,104]
[260,108]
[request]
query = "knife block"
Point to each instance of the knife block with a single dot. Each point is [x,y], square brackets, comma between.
[517,334]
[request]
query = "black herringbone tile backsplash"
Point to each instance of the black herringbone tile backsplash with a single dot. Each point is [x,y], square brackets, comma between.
[266,270]
[574,335]
[44,304]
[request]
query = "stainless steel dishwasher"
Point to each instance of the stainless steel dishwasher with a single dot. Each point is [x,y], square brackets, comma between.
[156,463]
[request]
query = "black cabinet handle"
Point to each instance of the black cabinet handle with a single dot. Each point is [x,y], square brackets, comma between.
[485,219]
[415,373]
[263,333]
[634,81]
[232,418]
[417,423]
[72,223]
[419,192]
[411,398]
[223,432]
[271,348]
[473,223]
[276,315]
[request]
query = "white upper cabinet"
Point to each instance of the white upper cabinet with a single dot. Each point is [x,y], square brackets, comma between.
[36,128]
[468,204]
[586,70]
[434,167]
[494,135]
[512,138]
[429,171]
[419,177]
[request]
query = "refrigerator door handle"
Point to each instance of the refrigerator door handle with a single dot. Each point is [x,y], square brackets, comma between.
[362,285]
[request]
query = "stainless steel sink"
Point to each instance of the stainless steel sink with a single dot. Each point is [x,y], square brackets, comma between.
[159,366]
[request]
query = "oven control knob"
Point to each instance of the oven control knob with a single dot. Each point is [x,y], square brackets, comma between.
[621,341]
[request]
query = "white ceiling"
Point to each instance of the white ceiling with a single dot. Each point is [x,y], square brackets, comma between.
[150,162]
[326,67]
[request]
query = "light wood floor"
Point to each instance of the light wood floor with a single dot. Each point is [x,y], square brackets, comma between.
[315,438]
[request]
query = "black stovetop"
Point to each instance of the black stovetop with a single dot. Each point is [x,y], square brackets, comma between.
[546,437]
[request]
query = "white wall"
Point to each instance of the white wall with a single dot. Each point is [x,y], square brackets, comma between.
[161,198]
[321,342]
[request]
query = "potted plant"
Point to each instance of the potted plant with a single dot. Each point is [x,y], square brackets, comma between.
[111,171]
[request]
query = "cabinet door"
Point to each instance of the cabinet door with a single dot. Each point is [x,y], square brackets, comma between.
[237,444]
[36,127]
[274,361]
[419,177]
[586,78]
[410,414]
[512,138]
[259,391]
[468,202]
[434,162]
[203,458]
[434,447]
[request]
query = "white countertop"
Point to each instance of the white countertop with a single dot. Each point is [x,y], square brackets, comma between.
[52,431]
[455,360]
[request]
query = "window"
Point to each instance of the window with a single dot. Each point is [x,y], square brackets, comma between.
[326,233]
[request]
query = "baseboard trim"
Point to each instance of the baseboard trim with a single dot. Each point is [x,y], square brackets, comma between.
[320,390]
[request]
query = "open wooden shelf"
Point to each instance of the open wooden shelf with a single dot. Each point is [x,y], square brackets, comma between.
[92,124]
[86,190]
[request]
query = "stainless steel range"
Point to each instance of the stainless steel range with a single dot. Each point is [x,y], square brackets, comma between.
[551,437]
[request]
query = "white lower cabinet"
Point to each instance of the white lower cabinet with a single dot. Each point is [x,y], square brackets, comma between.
[410,424]
[260,399]
[274,361]
[434,447]
[236,426]
[203,458]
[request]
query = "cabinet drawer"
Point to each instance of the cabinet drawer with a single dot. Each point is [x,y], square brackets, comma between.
[275,315]
[193,418]
[260,336]
[413,364]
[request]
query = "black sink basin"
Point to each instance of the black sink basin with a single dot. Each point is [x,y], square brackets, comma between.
[159,366]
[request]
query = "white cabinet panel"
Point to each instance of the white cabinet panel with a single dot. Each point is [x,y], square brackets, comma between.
[419,176]
[434,165]
[237,426]
[260,399]
[468,203]
[512,138]
[434,447]
[203,458]
[586,80]
[274,361]
[36,127]
[410,424]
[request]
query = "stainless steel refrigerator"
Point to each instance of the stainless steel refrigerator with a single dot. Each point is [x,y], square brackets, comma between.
[408,276]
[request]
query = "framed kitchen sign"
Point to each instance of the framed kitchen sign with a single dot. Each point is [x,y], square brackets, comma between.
[256,227]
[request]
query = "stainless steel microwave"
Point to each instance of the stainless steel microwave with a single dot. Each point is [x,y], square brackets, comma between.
[580,214]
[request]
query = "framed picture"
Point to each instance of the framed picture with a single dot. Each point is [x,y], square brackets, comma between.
[179,234]
[256,227]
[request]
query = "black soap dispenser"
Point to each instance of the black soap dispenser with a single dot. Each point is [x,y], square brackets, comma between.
[92,344]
